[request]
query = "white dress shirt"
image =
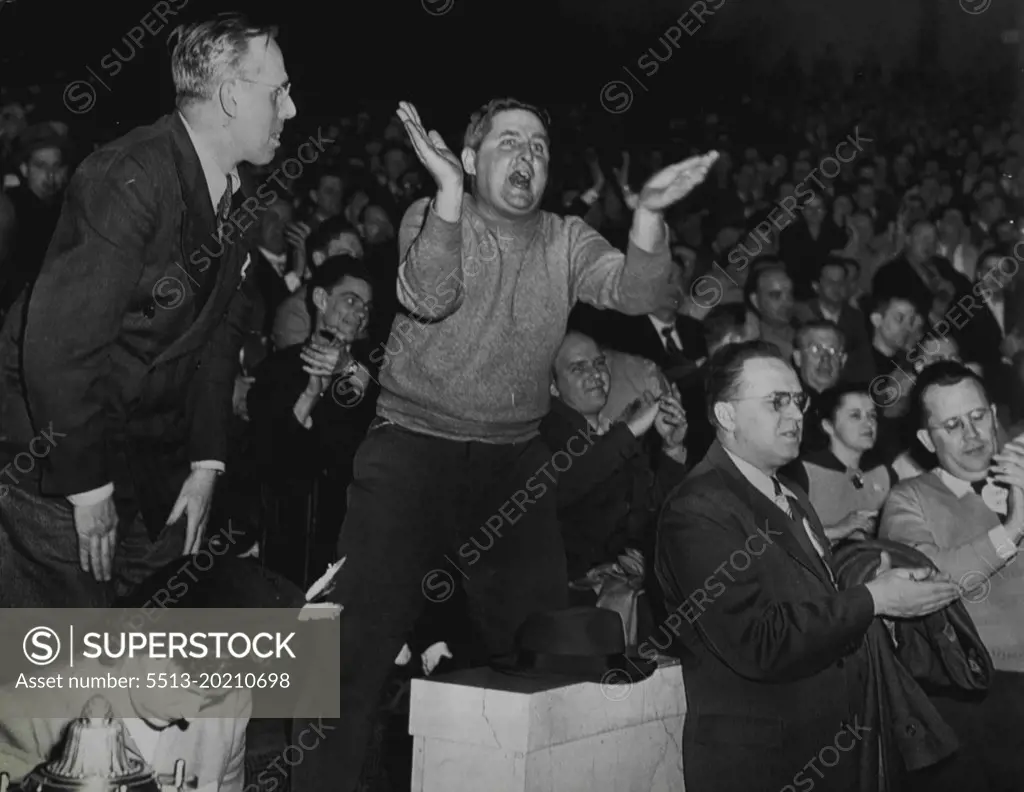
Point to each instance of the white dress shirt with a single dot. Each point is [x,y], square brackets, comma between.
[766,486]
[661,326]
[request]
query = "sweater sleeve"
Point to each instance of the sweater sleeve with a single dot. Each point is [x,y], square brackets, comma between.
[630,283]
[430,272]
[970,564]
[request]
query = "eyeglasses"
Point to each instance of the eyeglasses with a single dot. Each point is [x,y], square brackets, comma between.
[279,92]
[820,350]
[354,302]
[597,366]
[780,400]
[957,425]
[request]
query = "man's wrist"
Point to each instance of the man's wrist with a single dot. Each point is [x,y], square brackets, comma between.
[447,204]
[874,599]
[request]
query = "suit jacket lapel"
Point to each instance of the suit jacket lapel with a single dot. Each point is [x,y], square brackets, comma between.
[788,534]
[200,243]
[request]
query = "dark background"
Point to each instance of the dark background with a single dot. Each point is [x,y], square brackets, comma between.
[345,54]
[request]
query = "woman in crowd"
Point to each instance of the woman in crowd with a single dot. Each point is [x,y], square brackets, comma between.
[846,485]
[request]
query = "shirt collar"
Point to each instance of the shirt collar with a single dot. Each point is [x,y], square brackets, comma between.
[761,482]
[828,313]
[216,179]
[278,260]
[659,325]
[957,486]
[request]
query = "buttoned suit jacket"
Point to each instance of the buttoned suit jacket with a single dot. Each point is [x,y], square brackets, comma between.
[773,656]
[108,353]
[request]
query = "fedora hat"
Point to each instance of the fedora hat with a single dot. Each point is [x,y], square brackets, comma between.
[583,644]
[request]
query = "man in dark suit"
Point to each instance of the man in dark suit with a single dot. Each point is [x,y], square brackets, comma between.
[672,340]
[777,668]
[124,356]
[831,304]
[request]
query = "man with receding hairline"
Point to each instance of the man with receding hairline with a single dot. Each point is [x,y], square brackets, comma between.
[128,346]
[778,664]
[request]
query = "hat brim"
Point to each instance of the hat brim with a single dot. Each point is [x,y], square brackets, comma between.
[619,670]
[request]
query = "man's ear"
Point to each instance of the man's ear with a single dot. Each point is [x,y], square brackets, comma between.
[798,358]
[319,257]
[228,100]
[876,319]
[553,388]
[469,161]
[725,415]
[23,169]
[926,440]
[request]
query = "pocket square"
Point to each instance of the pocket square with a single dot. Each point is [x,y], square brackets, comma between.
[245,266]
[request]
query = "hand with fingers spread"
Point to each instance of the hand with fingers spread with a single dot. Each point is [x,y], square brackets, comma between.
[436,157]
[96,526]
[675,182]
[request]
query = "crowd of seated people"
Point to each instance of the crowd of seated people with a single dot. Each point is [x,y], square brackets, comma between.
[899,274]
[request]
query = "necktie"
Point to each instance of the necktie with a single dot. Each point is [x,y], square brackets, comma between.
[224,208]
[978,486]
[670,343]
[791,506]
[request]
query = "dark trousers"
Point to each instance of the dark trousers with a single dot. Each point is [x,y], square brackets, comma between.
[991,734]
[39,560]
[423,511]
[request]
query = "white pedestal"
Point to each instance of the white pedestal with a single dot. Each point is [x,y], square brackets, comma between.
[482,730]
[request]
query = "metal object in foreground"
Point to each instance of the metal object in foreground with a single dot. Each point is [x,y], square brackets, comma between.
[96,759]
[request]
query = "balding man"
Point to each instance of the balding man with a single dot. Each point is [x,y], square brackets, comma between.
[607,496]
[777,668]
[124,353]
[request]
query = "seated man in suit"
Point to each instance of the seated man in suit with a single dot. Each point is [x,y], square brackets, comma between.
[667,337]
[310,408]
[819,355]
[777,666]
[333,237]
[608,496]
[967,514]
[769,293]
[831,287]
[204,727]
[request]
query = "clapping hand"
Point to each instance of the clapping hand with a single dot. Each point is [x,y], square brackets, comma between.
[322,361]
[907,593]
[436,157]
[675,182]
[670,422]
[296,235]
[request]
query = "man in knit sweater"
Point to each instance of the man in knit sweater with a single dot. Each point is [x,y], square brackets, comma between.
[967,515]
[452,476]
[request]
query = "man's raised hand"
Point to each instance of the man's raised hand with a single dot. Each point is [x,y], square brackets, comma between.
[436,157]
[675,182]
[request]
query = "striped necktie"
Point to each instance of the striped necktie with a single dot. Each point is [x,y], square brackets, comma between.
[791,506]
